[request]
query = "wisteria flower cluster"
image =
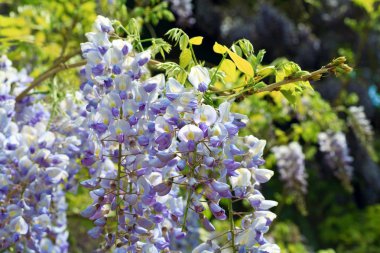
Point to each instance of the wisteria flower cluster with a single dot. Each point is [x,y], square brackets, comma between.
[360,122]
[336,153]
[158,155]
[291,165]
[184,11]
[32,172]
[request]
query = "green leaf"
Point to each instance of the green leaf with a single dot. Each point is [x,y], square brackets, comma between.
[172,69]
[292,91]
[183,42]
[179,36]
[246,46]
[185,58]
[160,46]
[260,56]
[289,95]
[266,71]
[259,85]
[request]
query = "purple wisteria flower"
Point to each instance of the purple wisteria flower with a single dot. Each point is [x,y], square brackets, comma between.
[336,154]
[291,165]
[360,124]
[184,11]
[32,172]
[159,155]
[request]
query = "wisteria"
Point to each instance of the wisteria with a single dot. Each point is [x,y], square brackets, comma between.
[158,155]
[359,122]
[32,172]
[336,153]
[291,166]
[184,11]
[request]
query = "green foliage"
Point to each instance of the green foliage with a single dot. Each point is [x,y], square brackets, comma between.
[346,231]
[179,37]
[292,91]
[289,238]
[41,33]
[172,69]
[160,46]
[245,46]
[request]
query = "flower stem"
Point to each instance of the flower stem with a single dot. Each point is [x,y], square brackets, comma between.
[186,211]
[217,69]
[118,191]
[193,54]
[190,193]
[118,182]
[232,224]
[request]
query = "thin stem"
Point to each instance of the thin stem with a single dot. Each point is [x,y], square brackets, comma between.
[216,237]
[232,224]
[118,182]
[186,211]
[62,59]
[307,77]
[190,193]
[217,69]
[47,74]
[151,30]
[193,54]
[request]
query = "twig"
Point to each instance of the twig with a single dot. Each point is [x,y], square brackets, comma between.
[49,73]
[249,89]
[232,224]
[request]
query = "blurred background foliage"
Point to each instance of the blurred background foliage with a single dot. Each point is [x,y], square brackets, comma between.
[334,216]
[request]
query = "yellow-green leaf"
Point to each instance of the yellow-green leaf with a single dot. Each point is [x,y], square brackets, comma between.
[12,21]
[182,76]
[219,49]
[266,71]
[185,58]
[242,64]
[183,42]
[229,68]
[15,33]
[196,40]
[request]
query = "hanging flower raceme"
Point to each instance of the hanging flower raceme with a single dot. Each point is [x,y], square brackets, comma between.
[32,212]
[159,155]
[291,165]
[71,135]
[360,123]
[336,154]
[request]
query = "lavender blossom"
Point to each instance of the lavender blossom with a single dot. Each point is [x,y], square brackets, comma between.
[291,165]
[32,172]
[360,123]
[336,154]
[152,143]
[184,11]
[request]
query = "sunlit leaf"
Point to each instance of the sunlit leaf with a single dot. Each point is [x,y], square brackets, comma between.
[185,58]
[219,49]
[242,64]
[196,40]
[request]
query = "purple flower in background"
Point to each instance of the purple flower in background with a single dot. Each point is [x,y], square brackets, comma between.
[291,165]
[336,154]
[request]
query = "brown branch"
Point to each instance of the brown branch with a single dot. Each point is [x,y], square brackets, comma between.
[62,59]
[337,65]
[47,74]
[308,77]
